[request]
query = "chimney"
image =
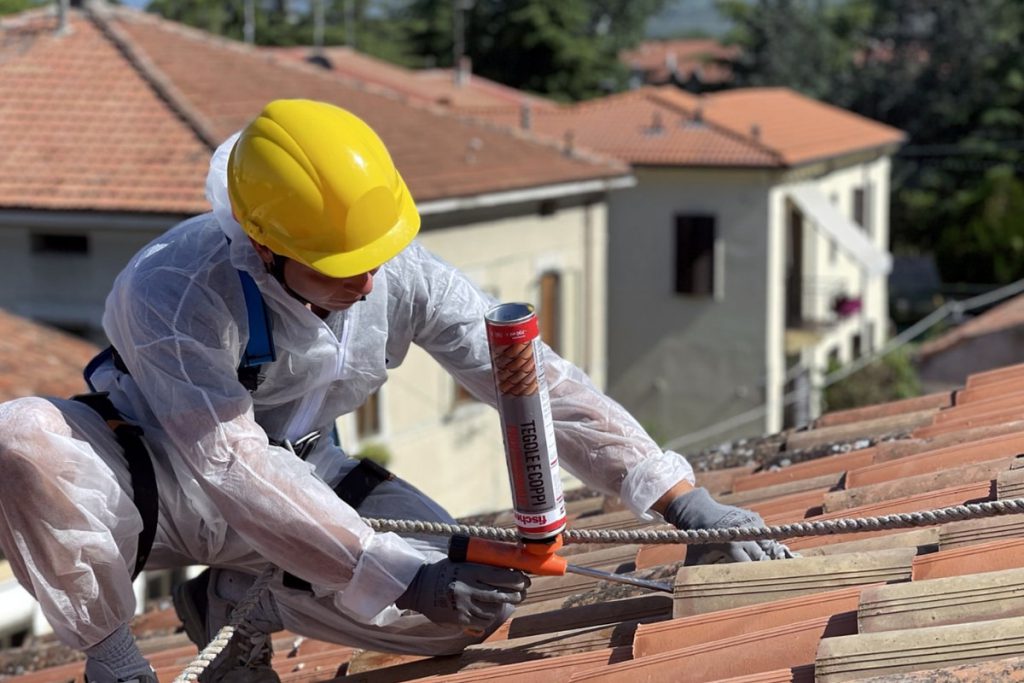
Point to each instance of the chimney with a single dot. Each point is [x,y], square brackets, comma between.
[657,127]
[62,17]
[463,70]
[755,131]
[569,138]
[671,62]
[525,116]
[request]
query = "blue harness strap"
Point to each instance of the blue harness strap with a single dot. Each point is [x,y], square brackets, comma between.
[259,350]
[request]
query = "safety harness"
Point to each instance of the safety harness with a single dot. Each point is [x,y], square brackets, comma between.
[259,350]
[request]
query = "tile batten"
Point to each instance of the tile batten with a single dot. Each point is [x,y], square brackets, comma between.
[709,588]
[953,600]
[921,483]
[1010,484]
[849,658]
[972,531]
[925,540]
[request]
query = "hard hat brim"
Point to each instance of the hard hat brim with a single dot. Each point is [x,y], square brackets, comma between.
[375,254]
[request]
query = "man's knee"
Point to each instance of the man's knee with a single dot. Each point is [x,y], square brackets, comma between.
[25,425]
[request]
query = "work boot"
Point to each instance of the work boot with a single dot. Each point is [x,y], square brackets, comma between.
[202,610]
[98,672]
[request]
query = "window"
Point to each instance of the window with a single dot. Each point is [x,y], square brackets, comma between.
[856,347]
[60,244]
[549,316]
[861,206]
[695,254]
[368,417]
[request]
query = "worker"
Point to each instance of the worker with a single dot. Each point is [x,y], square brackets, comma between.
[233,467]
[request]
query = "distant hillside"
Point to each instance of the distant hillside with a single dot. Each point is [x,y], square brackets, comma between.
[682,17]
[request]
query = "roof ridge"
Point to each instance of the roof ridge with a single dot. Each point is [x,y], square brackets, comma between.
[99,13]
[199,123]
[722,128]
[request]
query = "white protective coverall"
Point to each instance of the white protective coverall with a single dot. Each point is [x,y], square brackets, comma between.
[228,497]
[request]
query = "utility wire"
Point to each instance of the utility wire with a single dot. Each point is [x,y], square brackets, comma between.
[950,308]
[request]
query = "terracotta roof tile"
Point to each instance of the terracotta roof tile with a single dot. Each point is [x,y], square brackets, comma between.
[751,127]
[36,360]
[931,461]
[988,377]
[81,129]
[840,417]
[661,60]
[730,623]
[121,114]
[429,86]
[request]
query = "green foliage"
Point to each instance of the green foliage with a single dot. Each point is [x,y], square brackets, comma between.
[12,6]
[948,72]
[567,49]
[377,452]
[890,378]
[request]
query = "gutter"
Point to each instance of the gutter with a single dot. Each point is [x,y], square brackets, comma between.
[440,206]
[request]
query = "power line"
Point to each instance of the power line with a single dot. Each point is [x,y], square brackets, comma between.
[950,308]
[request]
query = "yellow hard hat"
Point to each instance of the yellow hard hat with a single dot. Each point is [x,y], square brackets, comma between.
[313,182]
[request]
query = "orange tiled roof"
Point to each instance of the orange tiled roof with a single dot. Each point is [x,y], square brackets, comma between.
[750,127]
[121,114]
[798,128]
[658,59]
[36,360]
[1006,315]
[81,128]
[430,86]
[942,602]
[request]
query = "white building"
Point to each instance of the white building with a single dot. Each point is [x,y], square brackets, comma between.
[752,251]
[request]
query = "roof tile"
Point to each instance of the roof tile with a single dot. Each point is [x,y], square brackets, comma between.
[121,114]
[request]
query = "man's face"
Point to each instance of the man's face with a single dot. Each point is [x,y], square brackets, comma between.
[324,292]
[328,293]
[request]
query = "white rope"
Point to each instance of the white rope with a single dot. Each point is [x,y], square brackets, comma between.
[220,641]
[903,520]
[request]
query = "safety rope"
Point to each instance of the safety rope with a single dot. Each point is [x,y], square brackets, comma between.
[220,641]
[902,520]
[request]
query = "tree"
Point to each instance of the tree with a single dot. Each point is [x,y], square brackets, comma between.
[948,72]
[566,49]
[889,378]
[14,6]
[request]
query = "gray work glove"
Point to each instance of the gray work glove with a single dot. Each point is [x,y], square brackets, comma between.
[696,509]
[471,595]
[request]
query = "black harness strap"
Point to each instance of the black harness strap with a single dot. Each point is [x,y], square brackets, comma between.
[140,468]
[353,488]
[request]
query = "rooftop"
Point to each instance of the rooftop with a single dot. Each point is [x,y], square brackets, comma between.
[1005,316]
[36,360]
[661,61]
[428,86]
[121,114]
[746,127]
[941,602]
